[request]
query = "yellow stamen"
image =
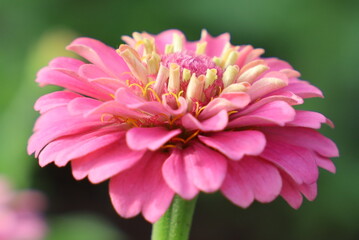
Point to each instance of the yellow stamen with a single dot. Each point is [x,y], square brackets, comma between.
[197,108]
[132,121]
[217,61]
[169,146]
[232,58]
[230,75]
[133,61]
[177,42]
[192,136]
[252,74]
[153,63]
[175,96]
[225,52]
[195,89]
[139,86]
[186,74]
[250,65]
[180,93]
[178,139]
[169,48]
[174,78]
[171,121]
[148,85]
[232,112]
[228,57]
[211,76]
[237,87]
[149,45]
[201,48]
[137,36]
[161,79]
[155,94]
[198,111]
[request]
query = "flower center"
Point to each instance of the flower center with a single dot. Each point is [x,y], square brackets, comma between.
[178,72]
[188,60]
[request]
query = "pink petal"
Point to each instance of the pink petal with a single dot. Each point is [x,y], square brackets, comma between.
[264,86]
[53,100]
[303,89]
[278,75]
[249,179]
[273,113]
[244,52]
[228,102]
[298,162]
[276,64]
[101,55]
[166,37]
[142,188]
[62,78]
[290,192]
[149,138]
[63,150]
[236,144]
[236,186]
[326,164]
[113,108]
[215,123]
[105,162]
[206,168]
[109,84]
[309,190]
[127,96]
[57,123]
[215,45]
[66,63]
[287,97]
[82,105]
[309,119]
[304,137]
[91,71]
[175,173]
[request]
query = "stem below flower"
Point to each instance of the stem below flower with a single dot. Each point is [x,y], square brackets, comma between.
[176,223]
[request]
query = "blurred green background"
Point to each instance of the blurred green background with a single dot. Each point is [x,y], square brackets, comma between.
[318,37]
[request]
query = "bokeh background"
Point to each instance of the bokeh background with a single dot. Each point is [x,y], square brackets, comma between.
[318,37]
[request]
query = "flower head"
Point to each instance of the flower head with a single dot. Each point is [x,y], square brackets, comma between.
[161,116]
[20,213]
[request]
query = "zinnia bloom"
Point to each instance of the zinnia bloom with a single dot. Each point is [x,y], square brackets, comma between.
[20,211]
[161,116]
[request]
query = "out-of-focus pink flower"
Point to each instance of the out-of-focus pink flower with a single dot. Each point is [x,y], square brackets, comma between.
[20,214]
[161,116]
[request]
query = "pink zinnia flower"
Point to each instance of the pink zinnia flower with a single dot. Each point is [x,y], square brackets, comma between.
[163,116]
[20,213]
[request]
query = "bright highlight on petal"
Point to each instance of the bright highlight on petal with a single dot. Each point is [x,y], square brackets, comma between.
[161,116]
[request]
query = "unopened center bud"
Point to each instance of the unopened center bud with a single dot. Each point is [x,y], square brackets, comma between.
[188,60]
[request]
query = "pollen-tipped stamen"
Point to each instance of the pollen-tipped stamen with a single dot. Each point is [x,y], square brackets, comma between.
[177,42]
[174,78]
[211,76]
[161,79]
[133,61]
[201,48]
[230,75]
[237,87]
[194,89]
[252,74]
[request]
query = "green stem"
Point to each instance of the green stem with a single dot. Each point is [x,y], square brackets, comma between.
[176,223]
